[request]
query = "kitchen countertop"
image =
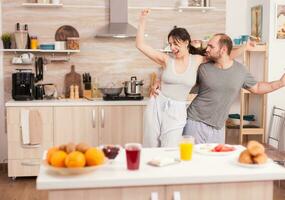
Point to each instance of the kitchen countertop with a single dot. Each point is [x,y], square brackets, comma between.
[73,102]
[202,169]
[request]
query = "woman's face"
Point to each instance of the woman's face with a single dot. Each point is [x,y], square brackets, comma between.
[179,48]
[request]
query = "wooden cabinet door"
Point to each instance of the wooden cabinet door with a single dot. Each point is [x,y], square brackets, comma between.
[120,124]
[76,124]
[16,149]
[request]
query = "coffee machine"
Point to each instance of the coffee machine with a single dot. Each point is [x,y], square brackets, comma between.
[23,85]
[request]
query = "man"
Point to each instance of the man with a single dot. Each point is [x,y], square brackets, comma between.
[219,82]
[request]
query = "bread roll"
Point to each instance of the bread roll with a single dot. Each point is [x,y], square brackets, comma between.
[70,147]
[260,159]
[245,157]
[82,147]
[255,148]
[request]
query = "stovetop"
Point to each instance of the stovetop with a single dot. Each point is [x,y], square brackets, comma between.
[123,98]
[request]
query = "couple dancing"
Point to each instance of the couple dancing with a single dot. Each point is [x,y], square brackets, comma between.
[212,73]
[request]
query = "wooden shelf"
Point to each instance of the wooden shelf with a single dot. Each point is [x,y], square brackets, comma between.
[40,50]
[42,5]
[257,48]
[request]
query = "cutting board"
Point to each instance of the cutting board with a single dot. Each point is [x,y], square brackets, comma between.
[72,78]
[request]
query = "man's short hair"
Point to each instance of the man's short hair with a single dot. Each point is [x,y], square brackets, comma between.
[225,40]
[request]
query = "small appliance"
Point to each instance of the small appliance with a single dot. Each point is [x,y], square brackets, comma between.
[23,85]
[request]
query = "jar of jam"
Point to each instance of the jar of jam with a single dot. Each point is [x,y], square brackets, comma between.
[34,42]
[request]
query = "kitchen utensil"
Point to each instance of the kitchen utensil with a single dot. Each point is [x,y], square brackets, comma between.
[39,92]
[39,69]
[47,46]
[72,78]
[27,58]
[133,87]
[21,38]
[111,91]
[65,32]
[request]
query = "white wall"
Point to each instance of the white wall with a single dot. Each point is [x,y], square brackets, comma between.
[276,63]
[3,136]
[236,18]
[276,60]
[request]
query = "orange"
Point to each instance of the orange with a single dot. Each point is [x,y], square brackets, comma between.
[75,159]
[58,158]
[50,152]
[94,156]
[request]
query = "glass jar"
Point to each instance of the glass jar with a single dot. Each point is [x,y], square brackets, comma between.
[72,43]
[34,42]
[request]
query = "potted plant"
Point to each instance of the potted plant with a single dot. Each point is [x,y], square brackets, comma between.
[6,39]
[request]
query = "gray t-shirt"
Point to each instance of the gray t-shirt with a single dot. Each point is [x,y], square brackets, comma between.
[217,89]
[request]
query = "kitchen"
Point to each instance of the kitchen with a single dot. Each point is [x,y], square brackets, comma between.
[103,58]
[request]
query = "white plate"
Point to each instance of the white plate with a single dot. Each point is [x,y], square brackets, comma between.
[236,162]
[70,171]
[205,149]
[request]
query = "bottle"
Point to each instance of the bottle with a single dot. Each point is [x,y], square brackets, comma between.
[18,27]
[34,42]
[76,92]
[71,92]
[28,46]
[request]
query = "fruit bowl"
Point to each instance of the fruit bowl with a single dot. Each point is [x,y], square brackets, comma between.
[111,151]
[71,171]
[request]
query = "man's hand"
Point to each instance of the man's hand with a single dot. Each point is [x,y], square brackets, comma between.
[154,88]
[250,45]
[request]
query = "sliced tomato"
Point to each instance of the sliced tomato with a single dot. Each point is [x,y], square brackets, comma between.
[227,148]
[218,148]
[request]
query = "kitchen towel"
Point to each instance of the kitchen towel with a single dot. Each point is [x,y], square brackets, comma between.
[35,127]
[25,126]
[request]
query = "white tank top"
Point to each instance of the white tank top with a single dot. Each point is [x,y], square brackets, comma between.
[178,85]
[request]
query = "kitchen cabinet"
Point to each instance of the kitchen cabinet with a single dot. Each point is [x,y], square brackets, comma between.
[120,124]
[125,193]
[24,160]
[98,124]
[76,124]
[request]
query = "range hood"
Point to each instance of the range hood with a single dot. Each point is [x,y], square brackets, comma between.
[118,26]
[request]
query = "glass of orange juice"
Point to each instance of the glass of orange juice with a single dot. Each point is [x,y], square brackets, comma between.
[186,147]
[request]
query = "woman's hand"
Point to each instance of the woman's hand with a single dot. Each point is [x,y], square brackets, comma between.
[144,13]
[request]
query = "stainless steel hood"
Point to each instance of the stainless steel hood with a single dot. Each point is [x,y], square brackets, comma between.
[118,26]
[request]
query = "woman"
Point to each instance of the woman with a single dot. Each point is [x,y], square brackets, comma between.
[165,115]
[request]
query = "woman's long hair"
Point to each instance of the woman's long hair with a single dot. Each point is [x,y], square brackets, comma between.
[182,34]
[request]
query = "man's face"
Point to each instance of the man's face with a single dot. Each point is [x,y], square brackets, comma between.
[213,50]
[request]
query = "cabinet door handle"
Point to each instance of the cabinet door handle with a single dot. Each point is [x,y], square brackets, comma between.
[93,118]
[154,196]
[102,118]
[176,195]
[30,164]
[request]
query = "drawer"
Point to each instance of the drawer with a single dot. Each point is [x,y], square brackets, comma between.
[25,167]
[18,151]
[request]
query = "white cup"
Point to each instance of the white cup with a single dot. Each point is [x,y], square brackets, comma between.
[59,45]
[27,57]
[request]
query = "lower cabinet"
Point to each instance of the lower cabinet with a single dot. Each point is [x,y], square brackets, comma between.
[76,124]
[98,124]
[127,193]
[93,125]
[24,160]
